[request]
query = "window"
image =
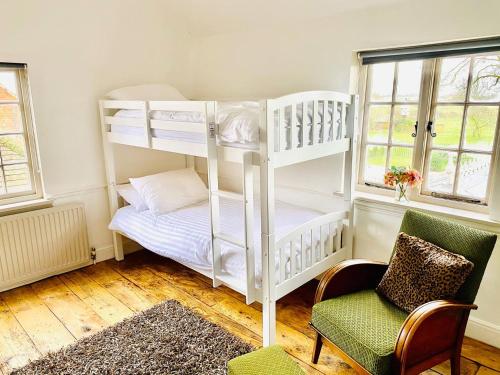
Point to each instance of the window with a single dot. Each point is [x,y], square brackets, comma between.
[19,172]
[392,109]
[439,115]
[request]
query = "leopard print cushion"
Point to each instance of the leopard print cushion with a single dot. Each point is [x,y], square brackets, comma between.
[420,272]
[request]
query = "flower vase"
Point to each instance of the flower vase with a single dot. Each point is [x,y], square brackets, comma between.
[402,193]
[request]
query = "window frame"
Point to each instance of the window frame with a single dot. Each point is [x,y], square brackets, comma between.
[32,157]
[421,146]
[461,148]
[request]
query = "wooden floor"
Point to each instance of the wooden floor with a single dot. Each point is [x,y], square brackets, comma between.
[49,314]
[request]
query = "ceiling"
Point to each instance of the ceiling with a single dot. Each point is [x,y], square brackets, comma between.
[206,17]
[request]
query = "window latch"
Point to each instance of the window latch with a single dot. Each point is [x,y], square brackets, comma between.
[414,135]
[430,129]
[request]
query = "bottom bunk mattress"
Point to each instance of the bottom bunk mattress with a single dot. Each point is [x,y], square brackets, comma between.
[184,235]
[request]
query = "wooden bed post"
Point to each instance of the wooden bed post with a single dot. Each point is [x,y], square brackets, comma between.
[350,169]
[267,222]
[109,163]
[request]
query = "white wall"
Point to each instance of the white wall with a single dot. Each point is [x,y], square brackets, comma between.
[76,51]
[316,54]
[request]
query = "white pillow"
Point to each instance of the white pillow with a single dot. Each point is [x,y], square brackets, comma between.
[146,92]
[169,191]
[130,113]
[239,122]
[131,196]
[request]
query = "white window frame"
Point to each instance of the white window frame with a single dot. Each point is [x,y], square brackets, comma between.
[421,148]
[32,156]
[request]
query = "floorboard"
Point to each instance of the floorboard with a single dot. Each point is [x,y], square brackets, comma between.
[108,307]
[482,353]
[122,289]
[55,312]
[42,326]
[16,347]
[77,316]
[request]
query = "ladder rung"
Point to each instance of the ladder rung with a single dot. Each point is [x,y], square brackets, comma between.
[228,195]
[230,239]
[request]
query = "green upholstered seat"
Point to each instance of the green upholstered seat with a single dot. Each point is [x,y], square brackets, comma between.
[365,326]
[270,361]
[362,324]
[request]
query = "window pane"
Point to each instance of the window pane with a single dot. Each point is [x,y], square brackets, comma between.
[453,79]
[375,163]
[405,117]
[409,77]
[379,120]
[8,86]
[448,125]
[382,76]
[486,79]
[474,171]
[480,127]
[442,171]
[17,177]
[10,118]
[401,157]
[12,149]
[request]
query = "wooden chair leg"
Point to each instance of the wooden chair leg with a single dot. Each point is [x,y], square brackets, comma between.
[318,344]
[455,363]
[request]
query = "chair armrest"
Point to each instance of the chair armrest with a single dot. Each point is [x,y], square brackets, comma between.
[434,328]
[349,276]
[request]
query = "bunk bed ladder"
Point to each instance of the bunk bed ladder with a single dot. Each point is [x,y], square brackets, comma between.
[267,207]
[213,188]
[249,217]
[247,198]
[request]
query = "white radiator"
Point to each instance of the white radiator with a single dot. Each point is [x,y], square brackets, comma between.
[42,243]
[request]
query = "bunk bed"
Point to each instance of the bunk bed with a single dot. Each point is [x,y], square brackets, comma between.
[258,246]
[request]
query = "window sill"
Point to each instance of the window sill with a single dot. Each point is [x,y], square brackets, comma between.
[15,208]
[386,202]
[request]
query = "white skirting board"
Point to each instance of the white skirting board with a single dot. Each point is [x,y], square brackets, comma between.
[483,331]
[108,252]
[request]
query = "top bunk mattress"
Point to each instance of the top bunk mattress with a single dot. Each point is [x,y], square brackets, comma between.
[238,124]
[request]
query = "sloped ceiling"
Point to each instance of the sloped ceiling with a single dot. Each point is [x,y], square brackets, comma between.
[207,17]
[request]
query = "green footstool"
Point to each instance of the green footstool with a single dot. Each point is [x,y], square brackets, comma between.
[266,361]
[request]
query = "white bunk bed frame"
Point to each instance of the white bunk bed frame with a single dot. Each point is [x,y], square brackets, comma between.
[277,280]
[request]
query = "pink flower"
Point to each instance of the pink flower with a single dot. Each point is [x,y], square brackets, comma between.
[413,177]
[396,176]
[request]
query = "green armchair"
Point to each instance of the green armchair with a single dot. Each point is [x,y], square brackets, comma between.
[376,337]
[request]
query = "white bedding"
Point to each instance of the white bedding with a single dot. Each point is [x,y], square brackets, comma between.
[161,133]
[184,235]
[239,124]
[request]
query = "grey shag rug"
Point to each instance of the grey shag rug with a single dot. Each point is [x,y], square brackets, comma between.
[166,339]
